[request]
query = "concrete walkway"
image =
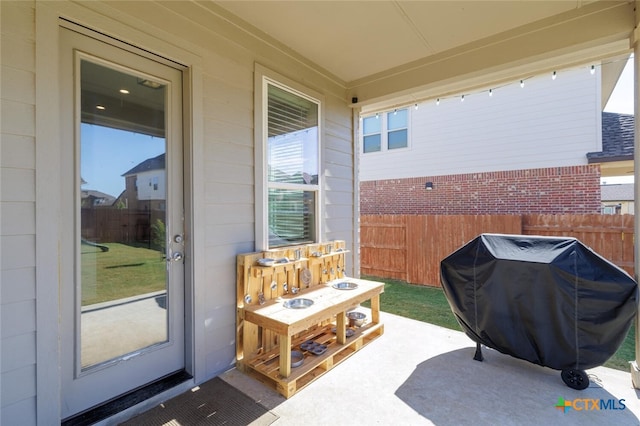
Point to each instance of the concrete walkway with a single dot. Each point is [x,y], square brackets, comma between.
[115,328]
[421,374]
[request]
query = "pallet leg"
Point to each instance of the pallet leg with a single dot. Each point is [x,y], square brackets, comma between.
[327,365]
[341,331]
[375,309]
[286,389]
[285,355]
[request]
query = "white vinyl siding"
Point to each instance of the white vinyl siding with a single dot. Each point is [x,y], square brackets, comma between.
[222,170]
[17,230]
[337,169]
[152,185]
[548,123]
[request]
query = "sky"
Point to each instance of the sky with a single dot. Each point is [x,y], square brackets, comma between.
[621,101]
[108,153]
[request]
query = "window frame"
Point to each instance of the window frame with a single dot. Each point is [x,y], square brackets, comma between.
[263,77]
[364,134]
[383,116]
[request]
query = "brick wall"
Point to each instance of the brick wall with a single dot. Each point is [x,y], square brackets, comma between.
[554,190]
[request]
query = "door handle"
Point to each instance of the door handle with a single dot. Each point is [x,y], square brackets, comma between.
[176,256]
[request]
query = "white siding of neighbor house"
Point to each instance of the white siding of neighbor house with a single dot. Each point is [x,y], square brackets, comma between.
[17,197]
[546,123]
[222,175]
[145,183]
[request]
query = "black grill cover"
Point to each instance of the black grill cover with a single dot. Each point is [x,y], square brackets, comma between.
[549,300]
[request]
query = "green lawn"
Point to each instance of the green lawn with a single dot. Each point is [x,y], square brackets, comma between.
[429,304]
[121,272]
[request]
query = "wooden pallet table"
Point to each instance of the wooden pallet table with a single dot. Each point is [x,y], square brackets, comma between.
[269,331]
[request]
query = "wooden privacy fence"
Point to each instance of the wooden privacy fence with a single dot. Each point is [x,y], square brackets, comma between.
[410,247]
[108,225]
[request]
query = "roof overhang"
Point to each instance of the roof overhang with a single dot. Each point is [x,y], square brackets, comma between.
[589,34]
[390,52]
[617,168]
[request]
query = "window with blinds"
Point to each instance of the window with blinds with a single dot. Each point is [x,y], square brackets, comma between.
[292,167]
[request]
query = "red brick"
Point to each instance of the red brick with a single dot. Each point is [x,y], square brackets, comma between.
[548,191]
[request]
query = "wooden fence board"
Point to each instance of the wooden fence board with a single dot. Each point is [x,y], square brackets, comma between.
[410,248]
[441,235]
[611,236]
[385,253]
[420,246]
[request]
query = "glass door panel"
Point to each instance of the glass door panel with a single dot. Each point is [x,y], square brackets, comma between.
[123,271]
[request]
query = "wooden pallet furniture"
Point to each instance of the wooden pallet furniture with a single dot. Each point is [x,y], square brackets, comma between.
[267,331]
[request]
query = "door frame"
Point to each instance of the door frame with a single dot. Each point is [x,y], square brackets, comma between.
[49,18]
[92,385]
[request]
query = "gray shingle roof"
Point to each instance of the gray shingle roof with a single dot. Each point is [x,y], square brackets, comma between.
[155,163]
[618,192]
[617,138]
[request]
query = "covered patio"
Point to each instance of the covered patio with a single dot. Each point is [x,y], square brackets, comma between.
[485,45]
[421,374]
[225,67]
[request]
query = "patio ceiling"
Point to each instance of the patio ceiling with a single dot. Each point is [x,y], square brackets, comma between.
[401,51]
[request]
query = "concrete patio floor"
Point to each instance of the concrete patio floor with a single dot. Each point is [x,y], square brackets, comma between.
[421,374]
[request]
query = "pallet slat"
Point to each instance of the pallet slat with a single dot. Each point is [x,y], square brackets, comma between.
[313,366]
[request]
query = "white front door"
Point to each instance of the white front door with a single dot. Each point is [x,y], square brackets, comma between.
[122,265]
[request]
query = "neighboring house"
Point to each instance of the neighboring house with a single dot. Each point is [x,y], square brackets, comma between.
[81,341]
[616,156]
[509,151]
[141,205]
[618,198]
[145,185]
[91,198]
[95,199]
[616,159]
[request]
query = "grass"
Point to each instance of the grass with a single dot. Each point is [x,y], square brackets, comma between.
[429,304]
[121,272]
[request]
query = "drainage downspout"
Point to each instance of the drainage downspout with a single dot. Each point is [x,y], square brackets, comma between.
[355,126]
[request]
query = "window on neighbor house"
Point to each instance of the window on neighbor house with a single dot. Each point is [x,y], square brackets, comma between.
[292,166]
[383,132]
[612,209]
[372,134]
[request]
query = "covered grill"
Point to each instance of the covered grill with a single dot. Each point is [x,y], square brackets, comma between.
[551,301]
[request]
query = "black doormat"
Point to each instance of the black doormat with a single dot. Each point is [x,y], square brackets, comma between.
[213,403]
